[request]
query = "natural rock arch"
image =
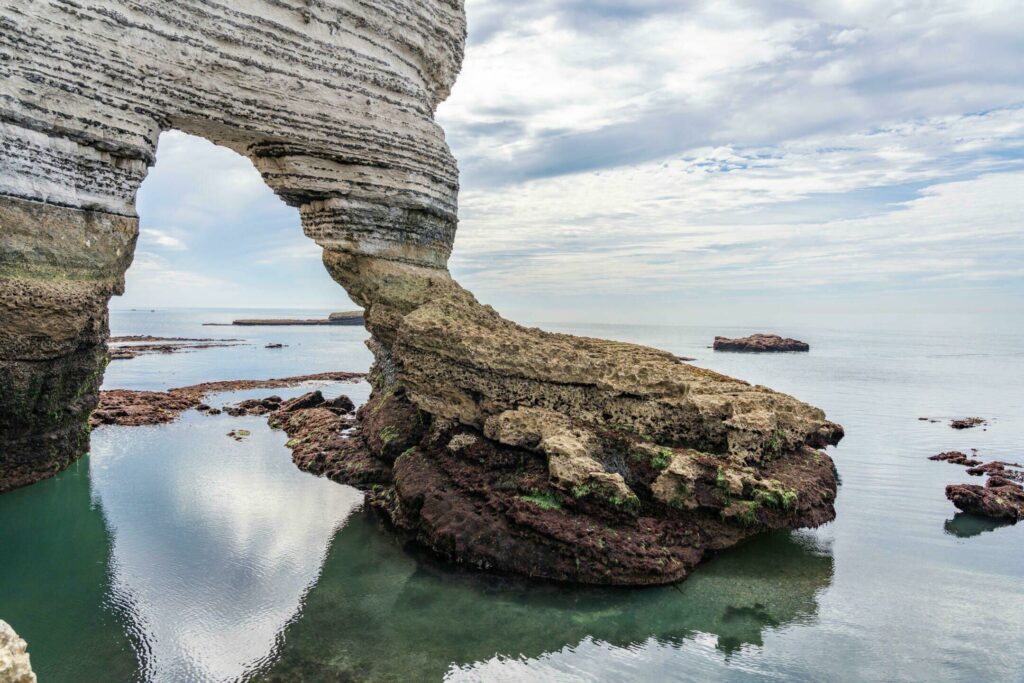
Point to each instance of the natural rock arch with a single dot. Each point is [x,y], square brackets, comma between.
[332,102]
[493,444]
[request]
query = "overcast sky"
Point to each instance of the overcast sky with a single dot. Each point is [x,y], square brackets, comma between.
[657,160]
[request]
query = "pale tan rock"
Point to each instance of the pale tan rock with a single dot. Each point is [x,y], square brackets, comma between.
[676,484]
[15,666]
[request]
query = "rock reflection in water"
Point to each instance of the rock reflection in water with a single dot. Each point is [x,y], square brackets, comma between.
[966,525]
[381,613]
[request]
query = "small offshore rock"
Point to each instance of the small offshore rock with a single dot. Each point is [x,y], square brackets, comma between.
[275,345]
[968,422]
[760,343]
[15,666]
[239,434]
[956,458]
[999,499]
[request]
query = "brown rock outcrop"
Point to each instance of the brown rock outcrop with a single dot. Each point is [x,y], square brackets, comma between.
[999,498]
[760,343]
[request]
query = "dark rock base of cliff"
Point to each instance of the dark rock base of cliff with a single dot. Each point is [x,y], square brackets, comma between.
[44,411]
[488,506]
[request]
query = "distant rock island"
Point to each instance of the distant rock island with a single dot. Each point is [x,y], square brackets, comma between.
[760,343]
[339,318]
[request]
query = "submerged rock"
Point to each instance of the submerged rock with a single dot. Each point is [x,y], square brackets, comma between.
[968,422]
[760,343]
[15,666]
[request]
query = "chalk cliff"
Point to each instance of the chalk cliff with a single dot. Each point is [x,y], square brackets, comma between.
[503,447]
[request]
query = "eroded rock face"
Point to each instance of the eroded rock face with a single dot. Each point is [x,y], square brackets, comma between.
[495,445]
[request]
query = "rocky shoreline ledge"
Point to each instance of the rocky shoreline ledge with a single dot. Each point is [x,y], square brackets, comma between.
[132,408]
[15,663]
[128,347]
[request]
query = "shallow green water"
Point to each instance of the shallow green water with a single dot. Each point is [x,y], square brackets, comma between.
[174,553]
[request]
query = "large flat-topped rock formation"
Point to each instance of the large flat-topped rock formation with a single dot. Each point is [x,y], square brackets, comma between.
[492,444]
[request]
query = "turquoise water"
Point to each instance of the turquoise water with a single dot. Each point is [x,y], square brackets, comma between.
[175,553]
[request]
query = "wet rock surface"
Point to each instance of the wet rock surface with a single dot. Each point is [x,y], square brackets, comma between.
[129,351]
[134,408]
[956,458]
[618,512]
[760,343]
[1001,497]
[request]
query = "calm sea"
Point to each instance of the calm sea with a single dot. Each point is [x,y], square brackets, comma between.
[175,553]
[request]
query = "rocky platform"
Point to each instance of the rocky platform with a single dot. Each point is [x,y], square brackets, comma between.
[760,343]
[999,498]
[133,408]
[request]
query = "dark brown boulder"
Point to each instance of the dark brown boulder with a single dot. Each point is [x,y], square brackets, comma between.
[999,498]
[760,343]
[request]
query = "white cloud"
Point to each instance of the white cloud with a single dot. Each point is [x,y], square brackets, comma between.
[971,230]
[654,146]
[152,281]
[153,237]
